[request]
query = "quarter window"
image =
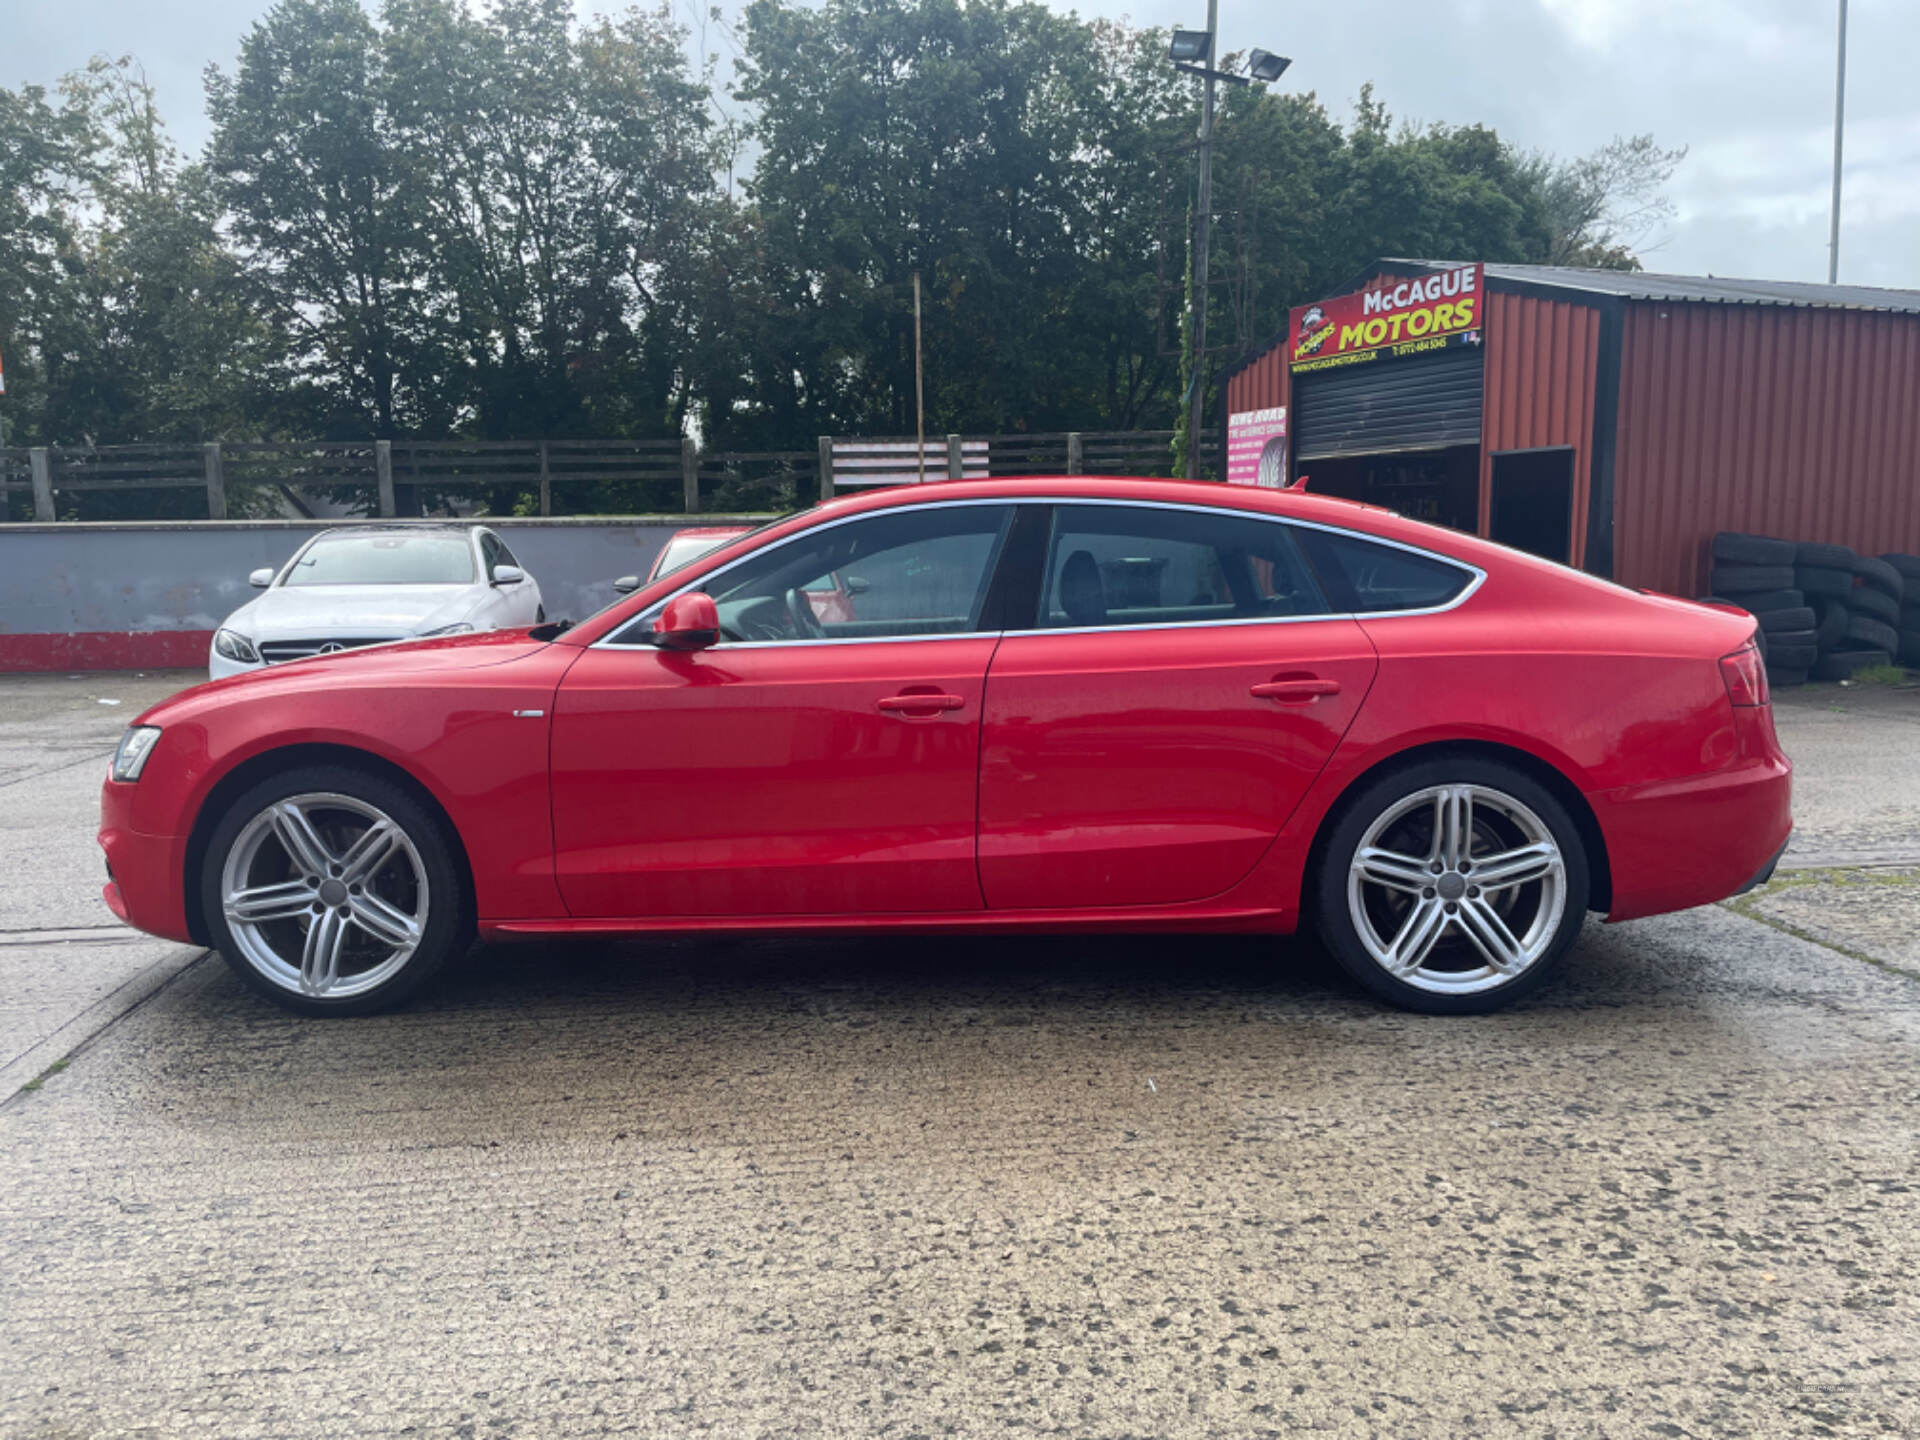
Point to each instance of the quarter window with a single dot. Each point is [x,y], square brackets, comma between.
[1136,565]
[1367,577]
[917,571]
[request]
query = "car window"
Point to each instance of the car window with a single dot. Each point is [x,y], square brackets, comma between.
[384,560]
[1366,576]
[685,549]
[500,554]
[1139,565]
[917,571]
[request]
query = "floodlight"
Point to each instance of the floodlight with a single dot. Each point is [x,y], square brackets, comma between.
[1265,65]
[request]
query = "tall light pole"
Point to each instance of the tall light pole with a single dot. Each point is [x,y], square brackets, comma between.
[1839,125]
[1203,235]
[1187,47]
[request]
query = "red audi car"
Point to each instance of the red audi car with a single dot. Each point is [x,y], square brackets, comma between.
[1062,705]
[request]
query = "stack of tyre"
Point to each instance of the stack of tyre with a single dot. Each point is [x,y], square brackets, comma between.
[1761,574]
[1825,613]
[1859,599]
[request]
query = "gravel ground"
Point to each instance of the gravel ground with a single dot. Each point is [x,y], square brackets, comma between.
[1076,1187]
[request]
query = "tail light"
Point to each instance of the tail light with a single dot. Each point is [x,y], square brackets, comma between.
[1745,675]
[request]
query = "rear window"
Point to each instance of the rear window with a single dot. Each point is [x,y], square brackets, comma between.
[1364,576]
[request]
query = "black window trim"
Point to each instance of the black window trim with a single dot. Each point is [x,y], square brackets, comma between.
[1478,576]
[644,620]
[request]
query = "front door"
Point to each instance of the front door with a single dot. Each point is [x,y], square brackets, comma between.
[1184,685]
[808,764]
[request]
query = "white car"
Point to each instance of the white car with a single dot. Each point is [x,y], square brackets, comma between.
[371,584]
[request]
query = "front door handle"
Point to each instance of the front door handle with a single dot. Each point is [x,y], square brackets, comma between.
[1295,692]
[909,704]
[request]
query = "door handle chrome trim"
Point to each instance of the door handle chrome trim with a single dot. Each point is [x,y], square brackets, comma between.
[893,704]
[1295,692]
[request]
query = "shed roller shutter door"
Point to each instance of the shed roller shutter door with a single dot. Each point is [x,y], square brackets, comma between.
[1423,403]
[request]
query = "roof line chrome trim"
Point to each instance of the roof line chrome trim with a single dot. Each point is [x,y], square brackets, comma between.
[1479,576]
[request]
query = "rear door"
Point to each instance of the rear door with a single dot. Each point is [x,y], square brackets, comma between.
[1181,687]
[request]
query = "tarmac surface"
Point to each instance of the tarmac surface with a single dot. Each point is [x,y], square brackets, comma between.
[1077,1187]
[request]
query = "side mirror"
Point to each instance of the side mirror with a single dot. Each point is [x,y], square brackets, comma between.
[508,574]
[855,585]
[690,622]
[627,584]
[261,578]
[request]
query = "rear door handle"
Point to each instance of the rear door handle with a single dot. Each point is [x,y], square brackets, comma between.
[1295,692]
[894,704]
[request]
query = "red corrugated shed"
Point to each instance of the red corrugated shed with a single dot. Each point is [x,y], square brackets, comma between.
[1789,421]
[1541,359]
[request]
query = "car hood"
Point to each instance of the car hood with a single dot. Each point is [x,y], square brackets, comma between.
[376,666]
[302,612]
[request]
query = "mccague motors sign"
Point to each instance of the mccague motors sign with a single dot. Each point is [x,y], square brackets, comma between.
[1405,317]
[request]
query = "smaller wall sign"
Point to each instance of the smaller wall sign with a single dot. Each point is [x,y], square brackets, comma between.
[1396,318]
[1257,447]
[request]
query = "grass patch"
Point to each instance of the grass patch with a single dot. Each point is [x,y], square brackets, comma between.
[1881,675]
[1747,906]
[44,1076]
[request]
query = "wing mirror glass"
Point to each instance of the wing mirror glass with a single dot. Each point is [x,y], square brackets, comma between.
[690,622]
[508,574]
[261,578]
[627,584]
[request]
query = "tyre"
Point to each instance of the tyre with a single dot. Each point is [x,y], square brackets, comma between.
[1735,549]
[1749,579]
[1866,633]
[1909,653]
[1879,575]
[1910,616]
[1452,886]
[1760,601]
[332,891]
[1867,600]
[1828,557]
[1907,565]
[1832,627]
[1780,679]
[1822,580]
[1775,622]
[1843,664]
[1794,649]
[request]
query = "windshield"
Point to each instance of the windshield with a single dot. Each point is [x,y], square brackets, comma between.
[385,560]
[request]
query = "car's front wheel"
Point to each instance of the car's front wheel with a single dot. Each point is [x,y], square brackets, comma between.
[1452,886]
[334,891]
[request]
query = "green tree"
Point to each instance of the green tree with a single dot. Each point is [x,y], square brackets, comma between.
[305,159]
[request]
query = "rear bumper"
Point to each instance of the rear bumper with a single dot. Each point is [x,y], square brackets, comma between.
[144,887]
[1674,844]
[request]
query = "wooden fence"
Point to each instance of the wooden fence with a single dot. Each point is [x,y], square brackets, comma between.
[535,477]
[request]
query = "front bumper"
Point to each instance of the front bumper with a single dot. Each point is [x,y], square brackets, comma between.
[145,873]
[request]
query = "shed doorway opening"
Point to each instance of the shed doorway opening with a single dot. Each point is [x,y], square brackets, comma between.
[1532,502]
[1439,486]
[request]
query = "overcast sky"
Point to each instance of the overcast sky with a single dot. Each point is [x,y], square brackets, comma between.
[1747,85]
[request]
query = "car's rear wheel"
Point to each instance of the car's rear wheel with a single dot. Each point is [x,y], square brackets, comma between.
[334,891]
[1452,886]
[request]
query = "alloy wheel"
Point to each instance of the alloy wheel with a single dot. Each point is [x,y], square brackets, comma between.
[325,895]
[1456,889]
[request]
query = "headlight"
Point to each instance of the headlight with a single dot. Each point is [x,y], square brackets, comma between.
[131,758]
[462,628]
[235,646]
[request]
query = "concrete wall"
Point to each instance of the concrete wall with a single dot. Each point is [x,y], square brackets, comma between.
[149,595]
